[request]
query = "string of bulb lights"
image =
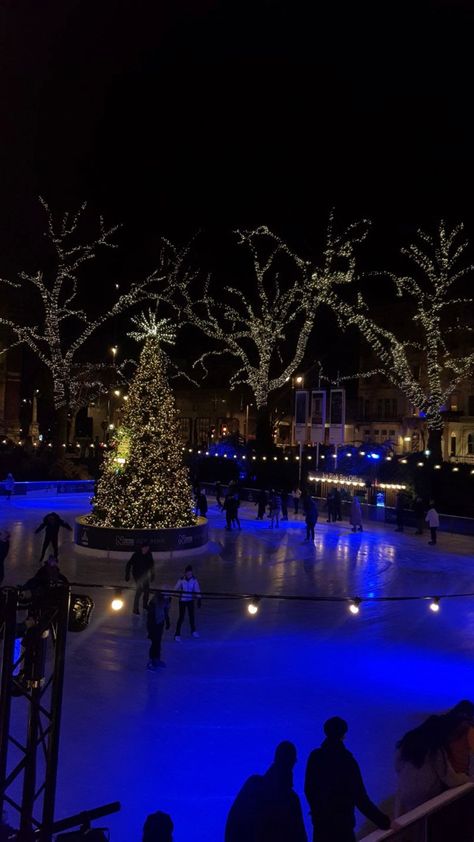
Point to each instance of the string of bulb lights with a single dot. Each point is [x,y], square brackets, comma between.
[254,601]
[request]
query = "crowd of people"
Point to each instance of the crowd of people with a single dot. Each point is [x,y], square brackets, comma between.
[430,759]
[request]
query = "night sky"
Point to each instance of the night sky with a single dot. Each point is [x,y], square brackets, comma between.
[176,116]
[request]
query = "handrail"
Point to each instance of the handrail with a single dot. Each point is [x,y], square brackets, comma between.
[434,805]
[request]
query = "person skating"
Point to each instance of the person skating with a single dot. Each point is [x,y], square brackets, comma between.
[142,568]
[4,548]
[330,506]
[158,619]
[51,523]
[356,514]
[231,508]
[189,590]
[9,486]
[337,504]
[267,809]
[284,504]
[201,502]
[274,505]
[419,512]
[432,519]
[296,499]
[261,502]
[334,787]
[311,518]
[218,493]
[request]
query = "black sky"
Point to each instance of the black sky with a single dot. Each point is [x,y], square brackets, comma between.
[172,115]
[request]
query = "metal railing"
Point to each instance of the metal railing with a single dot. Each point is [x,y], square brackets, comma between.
[447,818]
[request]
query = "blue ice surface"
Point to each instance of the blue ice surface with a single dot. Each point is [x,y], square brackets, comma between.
[183,740]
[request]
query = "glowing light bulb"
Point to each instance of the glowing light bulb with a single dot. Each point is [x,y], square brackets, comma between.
[434,604]
[117,602]
[354,605]
[253,606]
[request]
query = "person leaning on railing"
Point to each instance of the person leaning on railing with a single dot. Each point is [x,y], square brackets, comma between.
[434,757]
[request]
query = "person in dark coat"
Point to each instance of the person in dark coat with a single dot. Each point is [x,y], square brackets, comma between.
[284,504]
[51,524]
[201,503]
[267,809]
[231,508]
[158,619]
[261,502]
[330,505]
[337,504]
[334,787]
[158,827]
[218,493]
[311,518]
[49,575]
[4,548]
[419,511]
[142,568]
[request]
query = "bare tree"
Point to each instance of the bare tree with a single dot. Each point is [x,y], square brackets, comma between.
[431,318]
[267,331]
[56,327]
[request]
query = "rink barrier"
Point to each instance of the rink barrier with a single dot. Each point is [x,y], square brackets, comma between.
[181,539]
[67,486]
[436,819]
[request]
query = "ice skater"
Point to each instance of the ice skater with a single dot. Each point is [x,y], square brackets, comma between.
[141,566]
[261,502]
[158,619]
[400,512]
[284,504]
[189,590]
[9,486]
[432,519]
[274,506]
[356,514]
[311,518]
[296,499]
[52,523]
[419,511]
[331,509]
[201,502]
[158,827]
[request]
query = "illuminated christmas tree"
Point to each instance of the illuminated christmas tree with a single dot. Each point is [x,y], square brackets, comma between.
[144,484]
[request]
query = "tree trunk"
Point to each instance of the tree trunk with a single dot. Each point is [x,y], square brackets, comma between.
[435,438]
[61,428]
[263,439]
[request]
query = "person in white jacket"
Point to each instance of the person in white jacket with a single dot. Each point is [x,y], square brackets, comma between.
[189,590]
[432,519]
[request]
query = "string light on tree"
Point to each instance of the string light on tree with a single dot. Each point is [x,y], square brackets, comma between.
[144,483]
[438,264]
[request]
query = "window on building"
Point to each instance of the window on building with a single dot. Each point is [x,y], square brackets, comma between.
[452,449]
[376,435]
[471,405]
[453,403]
[301,407]
[384,435]
[470,443]
[392,434]
[367,435]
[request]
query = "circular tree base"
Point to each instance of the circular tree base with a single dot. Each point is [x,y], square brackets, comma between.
[108,539]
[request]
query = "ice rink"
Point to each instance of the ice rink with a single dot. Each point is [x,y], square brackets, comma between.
[184,739]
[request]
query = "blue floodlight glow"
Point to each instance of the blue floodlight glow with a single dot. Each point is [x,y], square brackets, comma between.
[374,455]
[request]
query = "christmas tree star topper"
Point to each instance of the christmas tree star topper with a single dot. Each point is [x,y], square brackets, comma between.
[149,325]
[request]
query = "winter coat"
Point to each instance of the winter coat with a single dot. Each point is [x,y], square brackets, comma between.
[52,523]
[432,518]
[188,589]
[356,512]
[202,504]
[311,512]
[334,787]
[158,612]
[266,809]
[231,505]
[417,785]
[274,503]
[141,565]
[9,483]
[46,577]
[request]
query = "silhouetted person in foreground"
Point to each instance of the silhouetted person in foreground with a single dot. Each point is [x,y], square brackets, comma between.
[158,827]
[51,525]
[334,787]
[267,809]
